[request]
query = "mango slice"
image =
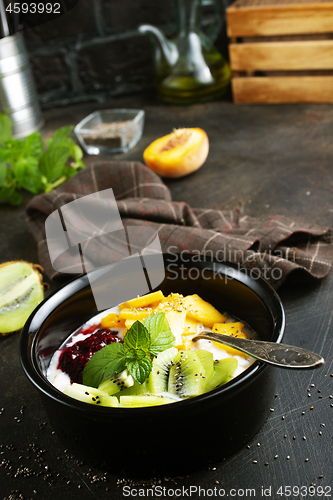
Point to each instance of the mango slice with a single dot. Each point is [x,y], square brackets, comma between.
[175,313]
[134,314]
[191,326]
[202,311]
[112,321]
[233,330]
[21,290]
[144,300]
[179,153]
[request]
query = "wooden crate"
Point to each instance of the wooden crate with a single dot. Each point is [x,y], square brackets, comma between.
[281,50]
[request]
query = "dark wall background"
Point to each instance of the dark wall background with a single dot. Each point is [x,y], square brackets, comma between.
[94,51]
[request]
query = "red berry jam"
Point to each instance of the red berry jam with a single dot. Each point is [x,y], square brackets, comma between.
[74,358]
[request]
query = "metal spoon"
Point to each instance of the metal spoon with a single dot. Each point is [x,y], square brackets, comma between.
[282,355]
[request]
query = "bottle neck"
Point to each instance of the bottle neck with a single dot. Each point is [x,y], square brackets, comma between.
[188,16]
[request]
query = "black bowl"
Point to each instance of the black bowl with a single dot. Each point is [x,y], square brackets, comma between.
[171,438]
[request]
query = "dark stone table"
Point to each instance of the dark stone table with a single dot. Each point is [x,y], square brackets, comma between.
[267,160]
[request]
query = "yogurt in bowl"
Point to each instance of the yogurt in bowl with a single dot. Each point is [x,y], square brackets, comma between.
[179,317]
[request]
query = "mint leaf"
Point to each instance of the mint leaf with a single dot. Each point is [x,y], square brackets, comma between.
[139,368]
[137,337]
[27,174]
[161,336]
[105,362]
[33,145]
[3,172]
[5,129]
[52,163]
[60,137]
[14,198]
[70,172]
[75,151]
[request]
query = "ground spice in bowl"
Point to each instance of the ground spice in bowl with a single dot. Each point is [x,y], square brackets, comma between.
[111,134]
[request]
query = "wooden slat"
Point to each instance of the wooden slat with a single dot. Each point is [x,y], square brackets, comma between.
[283,89]
[270,56]
[291,19]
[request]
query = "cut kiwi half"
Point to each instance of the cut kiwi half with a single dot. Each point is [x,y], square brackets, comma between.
[116,383]
[21,290]
[90,395]
[186,377]
[223,372]
[159,375]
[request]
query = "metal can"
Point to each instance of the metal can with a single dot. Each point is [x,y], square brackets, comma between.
[18,96]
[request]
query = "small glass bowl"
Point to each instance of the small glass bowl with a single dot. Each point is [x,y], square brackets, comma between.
[110,130]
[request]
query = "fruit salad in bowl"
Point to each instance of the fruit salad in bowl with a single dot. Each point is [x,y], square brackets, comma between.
[141,353]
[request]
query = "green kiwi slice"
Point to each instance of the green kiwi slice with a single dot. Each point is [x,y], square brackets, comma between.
[90,395]
[223,371]
[116,383]
[21,290]
[206,358]
[135,390]
[144,400]
[186,377]
[159,375]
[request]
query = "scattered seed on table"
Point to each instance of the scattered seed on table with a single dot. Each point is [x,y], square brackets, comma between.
[304,438]
[254,462]
[283,417]
[306,460]
[311,407]
[276,456]
[288,457]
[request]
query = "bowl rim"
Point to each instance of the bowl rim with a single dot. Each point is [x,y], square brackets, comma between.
[36,320]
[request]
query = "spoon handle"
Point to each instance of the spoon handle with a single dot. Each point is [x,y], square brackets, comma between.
[282,355]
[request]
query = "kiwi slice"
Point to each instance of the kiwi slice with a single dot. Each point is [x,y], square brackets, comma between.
[159,375]
[206,358]
[21,290]
[186,377]
[135,390]
[117,382]
[223,371]
[146,400]
[90,395]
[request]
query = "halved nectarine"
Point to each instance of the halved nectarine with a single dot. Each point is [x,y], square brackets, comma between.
[179,153]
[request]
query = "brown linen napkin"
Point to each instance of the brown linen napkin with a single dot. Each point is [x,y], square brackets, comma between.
[272,246]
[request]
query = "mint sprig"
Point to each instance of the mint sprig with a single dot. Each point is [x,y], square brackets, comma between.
[142,342]
[24,164]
